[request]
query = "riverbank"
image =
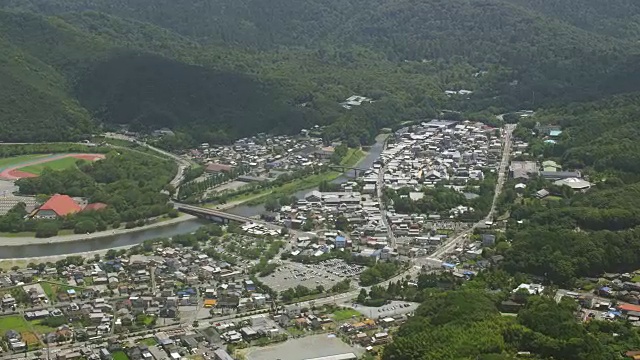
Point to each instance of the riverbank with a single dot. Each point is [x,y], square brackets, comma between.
[352,158]
[30,240]
[19,249]
[7,264]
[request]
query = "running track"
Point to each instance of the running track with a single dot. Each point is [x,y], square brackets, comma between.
[12,173]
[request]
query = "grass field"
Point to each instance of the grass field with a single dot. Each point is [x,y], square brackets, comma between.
[293,187]
[59,164]
[17,160]
[37,326]
[52,289]
[120,355]
[15,322]
[149,341]
[352,157]
[344,314]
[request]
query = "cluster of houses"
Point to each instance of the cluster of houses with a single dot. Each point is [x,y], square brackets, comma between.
[437,151]
[264,156]
[152,285]
[251,329]
[430,153]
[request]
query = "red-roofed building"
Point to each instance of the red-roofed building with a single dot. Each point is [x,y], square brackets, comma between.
[628,307]
[218,168]
[95,206]
[57,206]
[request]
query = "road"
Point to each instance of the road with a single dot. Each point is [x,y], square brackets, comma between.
[183,163]
[383,210]
[445,248]
[502,176]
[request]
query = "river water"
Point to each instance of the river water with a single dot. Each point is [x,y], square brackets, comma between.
[188,226]
[365,163]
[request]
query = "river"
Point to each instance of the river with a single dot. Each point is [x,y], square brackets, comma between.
[188,226]
[364,163]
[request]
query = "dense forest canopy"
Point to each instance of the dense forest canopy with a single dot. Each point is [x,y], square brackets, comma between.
[466,324]
[228,68]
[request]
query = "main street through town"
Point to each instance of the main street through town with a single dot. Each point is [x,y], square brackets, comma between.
[445,248]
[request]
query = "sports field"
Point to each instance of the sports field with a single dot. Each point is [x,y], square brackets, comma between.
[60,164]
[32,165]
[17,160]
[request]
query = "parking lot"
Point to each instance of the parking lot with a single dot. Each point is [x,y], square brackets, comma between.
[340,268]
[303,348]
[327,274]
[394,308]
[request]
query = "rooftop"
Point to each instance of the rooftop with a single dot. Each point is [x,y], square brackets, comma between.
[62,205]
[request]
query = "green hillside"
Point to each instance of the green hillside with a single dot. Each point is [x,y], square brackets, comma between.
[534,41]
[231,68]
[33,94]
[619,18]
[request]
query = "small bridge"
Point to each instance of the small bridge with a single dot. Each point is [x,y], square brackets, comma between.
[347,170]
[211,214]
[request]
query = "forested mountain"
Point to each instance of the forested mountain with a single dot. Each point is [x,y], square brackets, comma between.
[63,75]
[316,52]
[467,324]
[583,234]
[619,18]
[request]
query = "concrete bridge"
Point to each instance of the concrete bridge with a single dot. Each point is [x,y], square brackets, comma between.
[347,170]
[211,214]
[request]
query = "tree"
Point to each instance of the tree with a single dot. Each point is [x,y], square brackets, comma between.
[362,296]
[47,229]
[341,223]
[170,189]
[86,226]
[271,204]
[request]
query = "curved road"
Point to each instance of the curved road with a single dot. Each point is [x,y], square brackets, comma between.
[183,163]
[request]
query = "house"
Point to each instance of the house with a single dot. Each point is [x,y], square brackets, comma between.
[488,239]
[313,196]
[541,194]
[523,169]
[520,187]
[559,175]
[221,354]
[550,166]
[12,335]
[57,206]
[215,168]
[532,289]
[433,175]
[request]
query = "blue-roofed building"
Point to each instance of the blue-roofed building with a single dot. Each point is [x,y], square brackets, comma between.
[555,133]
[448,265]
[341,242]
[249,285]
[604,291]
